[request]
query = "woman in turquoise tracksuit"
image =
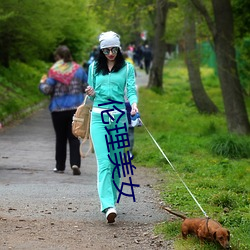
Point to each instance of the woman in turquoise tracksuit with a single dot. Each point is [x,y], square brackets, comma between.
[108,77]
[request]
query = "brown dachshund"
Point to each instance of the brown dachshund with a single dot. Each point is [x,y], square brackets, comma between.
[204,229]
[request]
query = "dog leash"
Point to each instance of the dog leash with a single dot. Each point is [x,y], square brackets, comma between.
[174,170]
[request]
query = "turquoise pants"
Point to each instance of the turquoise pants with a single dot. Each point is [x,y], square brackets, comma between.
[105,186]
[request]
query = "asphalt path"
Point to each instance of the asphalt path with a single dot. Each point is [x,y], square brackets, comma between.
[30,189]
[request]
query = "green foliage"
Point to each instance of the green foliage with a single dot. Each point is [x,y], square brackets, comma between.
[219,183]
[175,25]
[224,200]
[19,87]
[241,17]
[170,230]
[243,59]
[29,33]
[127,17]
[231,146]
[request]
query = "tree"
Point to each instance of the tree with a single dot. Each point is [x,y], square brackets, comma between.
[159,46]
[201,99]
[223,38]
[242,33]
[126,17]
[241,17]
[28,33]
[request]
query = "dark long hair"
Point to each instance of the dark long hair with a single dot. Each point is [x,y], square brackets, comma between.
[64,53]
[102,66]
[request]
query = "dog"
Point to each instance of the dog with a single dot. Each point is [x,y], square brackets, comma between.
[204,229]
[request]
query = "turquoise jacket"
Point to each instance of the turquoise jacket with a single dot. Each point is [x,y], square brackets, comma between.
[113,86]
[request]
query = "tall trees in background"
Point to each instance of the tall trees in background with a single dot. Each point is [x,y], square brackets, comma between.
[31,30]
[202,101]
[222,30]
[159,44]
[242,39]
[183,27]
[126,17]
[28,33]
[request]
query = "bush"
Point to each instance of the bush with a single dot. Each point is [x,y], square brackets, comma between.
[231,146]
[224,200]
[19,88]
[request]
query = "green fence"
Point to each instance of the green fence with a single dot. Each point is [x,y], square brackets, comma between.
[208,58]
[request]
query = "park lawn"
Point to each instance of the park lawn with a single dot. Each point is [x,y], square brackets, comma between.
[192,143]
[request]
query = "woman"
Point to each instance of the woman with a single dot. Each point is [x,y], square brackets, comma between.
[108,77]
[65,83]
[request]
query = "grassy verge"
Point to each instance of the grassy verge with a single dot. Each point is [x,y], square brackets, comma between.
[19,88]
[214,164]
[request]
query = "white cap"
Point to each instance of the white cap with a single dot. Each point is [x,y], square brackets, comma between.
[109,39]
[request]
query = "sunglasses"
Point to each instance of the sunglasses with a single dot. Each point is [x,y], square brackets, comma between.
[106,51]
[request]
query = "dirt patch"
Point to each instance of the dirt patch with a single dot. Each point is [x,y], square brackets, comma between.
[29,220]
[50,234]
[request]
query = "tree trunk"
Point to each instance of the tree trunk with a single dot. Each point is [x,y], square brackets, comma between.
[201,99]
[159,47]
[223,38]
[235,109]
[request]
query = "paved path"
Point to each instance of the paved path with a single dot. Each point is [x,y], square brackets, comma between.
[29,189]
[27,160]
[141,78]
[26,163]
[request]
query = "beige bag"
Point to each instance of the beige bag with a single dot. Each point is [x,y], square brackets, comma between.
[81,126]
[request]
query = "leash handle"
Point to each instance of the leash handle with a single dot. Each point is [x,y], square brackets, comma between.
[174,170]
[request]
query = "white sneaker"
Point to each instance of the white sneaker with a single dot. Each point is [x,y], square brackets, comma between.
[58,171]
[130,154]
[111,214]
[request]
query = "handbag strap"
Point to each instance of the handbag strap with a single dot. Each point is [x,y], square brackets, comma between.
[90,149]
[84,140]
[85,99]
[92,73]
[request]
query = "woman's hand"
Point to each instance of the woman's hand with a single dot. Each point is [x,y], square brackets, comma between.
[90,91]
[43,79]
[134,109]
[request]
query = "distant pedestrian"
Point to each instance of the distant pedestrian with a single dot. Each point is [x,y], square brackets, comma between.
[138,56]
[147,54]
[93,55]
[65,84]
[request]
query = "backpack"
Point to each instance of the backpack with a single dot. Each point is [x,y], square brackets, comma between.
[81,126]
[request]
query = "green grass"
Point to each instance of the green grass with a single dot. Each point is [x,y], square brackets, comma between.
[19,88]
[214,164]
